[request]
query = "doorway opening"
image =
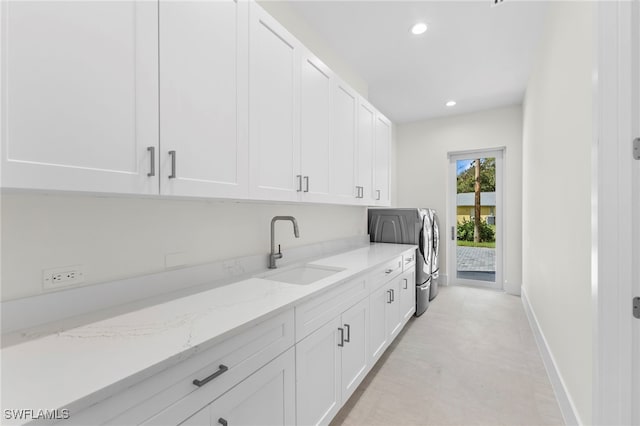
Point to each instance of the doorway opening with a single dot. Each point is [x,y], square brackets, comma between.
[475,218]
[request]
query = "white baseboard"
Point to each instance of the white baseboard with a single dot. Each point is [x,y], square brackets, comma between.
[565,402]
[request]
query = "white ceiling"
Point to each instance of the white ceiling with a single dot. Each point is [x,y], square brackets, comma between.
[478,55]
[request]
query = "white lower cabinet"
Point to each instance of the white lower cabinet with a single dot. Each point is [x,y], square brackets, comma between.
[407,295]
[267,397]
[330,363]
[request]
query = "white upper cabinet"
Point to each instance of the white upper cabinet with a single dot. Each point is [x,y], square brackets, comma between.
[274,108]
[344,144]
[80,96]
[315,129]
[382,193]
[365,152]
[204,98]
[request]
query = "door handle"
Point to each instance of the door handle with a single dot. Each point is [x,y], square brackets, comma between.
[221,369]
[299,177]
[152,154]
[306,185]
[173,164]
[348,328]
[341,344]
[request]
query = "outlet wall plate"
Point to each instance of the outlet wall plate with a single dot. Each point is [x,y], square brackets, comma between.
[62,277]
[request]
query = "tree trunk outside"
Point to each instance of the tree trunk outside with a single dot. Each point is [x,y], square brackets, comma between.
[476,187]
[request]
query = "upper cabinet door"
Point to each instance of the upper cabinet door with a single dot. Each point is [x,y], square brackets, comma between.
[344,144]
[274,112]
[382,193]
[80,96]
[203,98]
[366,128]
[315,126]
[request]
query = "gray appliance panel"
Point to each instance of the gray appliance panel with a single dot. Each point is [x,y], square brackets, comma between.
[405,226]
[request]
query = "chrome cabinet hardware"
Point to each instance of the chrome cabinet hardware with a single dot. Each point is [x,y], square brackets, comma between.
[408,259]
[393,295]
[152,154]
[222,421]
[636,307]
[378,192]
[221,369]
[636,149]
[299,177]
[388,271]
[406,283]
[453,233]
[306,184]
[348,328]
[173,164]
[341,344]
[389,299]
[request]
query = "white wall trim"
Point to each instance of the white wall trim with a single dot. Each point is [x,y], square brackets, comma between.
[567,407]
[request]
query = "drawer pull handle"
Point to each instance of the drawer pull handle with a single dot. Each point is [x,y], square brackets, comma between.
[348,338]
[221,369]
[341,344]
[406,283]
[408,259]
[388,271]
[222,421]
[172,154]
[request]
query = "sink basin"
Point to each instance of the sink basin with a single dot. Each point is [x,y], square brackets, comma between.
[305,274]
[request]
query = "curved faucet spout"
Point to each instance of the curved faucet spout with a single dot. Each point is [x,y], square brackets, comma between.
[273,256]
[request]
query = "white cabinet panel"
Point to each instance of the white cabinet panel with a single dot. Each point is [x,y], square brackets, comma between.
[407,295]
[366,122]
[80,95]
[267,397]
[318,375]
[379,339]
[355,359]
[315,125]
[203,98]
[344,144]
[274,79]
[394,320]
[382,161]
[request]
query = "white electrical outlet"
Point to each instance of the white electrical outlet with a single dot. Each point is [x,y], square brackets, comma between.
[62,277]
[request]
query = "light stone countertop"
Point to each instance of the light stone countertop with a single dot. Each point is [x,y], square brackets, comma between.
[76,368]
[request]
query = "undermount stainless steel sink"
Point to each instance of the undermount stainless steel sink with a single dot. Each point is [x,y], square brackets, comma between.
[303,275]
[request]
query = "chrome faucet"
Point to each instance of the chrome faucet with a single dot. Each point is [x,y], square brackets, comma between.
[274,256]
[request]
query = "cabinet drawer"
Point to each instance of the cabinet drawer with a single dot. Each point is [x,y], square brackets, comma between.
[171,396]
[384,273]
[408,261]
[316,312]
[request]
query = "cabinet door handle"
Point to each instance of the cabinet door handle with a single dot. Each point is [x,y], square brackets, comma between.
[408,259]
[152,155]
[348,338]
[388,271]
[173,164]
[378,197]
[221,369]
[389,299]
[393,296]
[406,283]
[341,344]
[306,184]
[299,177]
[222,421]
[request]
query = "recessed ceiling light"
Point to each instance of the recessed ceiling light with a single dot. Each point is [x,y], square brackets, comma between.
[451,103]
[419,28]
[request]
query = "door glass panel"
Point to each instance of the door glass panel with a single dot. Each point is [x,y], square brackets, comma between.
[476,219]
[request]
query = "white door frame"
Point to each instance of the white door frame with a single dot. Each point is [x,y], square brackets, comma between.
[445,234]
[612,195]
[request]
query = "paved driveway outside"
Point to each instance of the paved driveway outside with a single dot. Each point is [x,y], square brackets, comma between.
[476,259]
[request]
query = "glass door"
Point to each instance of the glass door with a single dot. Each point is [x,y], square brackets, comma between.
[475,218]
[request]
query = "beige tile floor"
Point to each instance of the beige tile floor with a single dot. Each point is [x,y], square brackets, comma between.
[471,359]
